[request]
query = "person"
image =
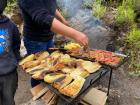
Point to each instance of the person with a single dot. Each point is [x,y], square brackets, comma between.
[9,56]
[41,20]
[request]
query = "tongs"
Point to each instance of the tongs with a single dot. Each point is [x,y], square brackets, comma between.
[86,48]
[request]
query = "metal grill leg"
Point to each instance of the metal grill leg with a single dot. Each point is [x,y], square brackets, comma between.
[110,77]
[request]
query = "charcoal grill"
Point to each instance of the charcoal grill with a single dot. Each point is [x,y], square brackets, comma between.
[92,79]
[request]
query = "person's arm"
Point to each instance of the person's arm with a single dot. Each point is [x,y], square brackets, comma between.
[60,28]
[16,43]
[61,18]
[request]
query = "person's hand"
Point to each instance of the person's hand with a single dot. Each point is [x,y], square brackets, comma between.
[82,39]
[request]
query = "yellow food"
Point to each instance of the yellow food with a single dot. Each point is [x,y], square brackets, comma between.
[71,46]
[79,72]
[60,70]
[30,64]
[42,55]
[90,66]
[65,58]
[67,70]
[27,59]
[41,66]
[58,66]
[50,78]
[56,54]
[38,75]
[73,88]
[63,83]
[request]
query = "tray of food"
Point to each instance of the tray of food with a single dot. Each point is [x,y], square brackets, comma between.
[104,57]
[89,81]
[65,75]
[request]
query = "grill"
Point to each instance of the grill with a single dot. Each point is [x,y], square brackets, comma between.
[87,85]
[92,79]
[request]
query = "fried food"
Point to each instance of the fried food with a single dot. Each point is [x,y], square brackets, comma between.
[61,83]
[79,72]
[67,70]
[65,58]
[27,59]
[38,75]
[90,66]
[75,52]
[41,66]
[30,64]
[58,66]
[74,87]
[50,78]
[41,55]
[71,46]
[44,70]
[56,54]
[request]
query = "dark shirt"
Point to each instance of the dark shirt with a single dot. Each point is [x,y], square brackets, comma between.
[38,16]
[9,46]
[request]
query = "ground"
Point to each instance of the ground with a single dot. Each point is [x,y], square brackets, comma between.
[125,90]
[23,93]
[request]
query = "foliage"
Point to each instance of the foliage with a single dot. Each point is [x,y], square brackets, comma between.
[133,47]
[133,36]
[134,63]
[125,18]
[99,9]
[125,14]
[10,6]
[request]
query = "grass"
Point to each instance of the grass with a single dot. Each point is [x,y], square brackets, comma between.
[133,36]
[133,44]
[99,9]
[125,18]
[134,63]
[125,15]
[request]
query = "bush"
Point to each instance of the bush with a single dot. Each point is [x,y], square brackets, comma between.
[133,47]
[133,36]
[99,10]
[125,15]
[134,62]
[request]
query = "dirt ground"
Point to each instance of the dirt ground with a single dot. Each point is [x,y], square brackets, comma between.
[23,93]
[125,90]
